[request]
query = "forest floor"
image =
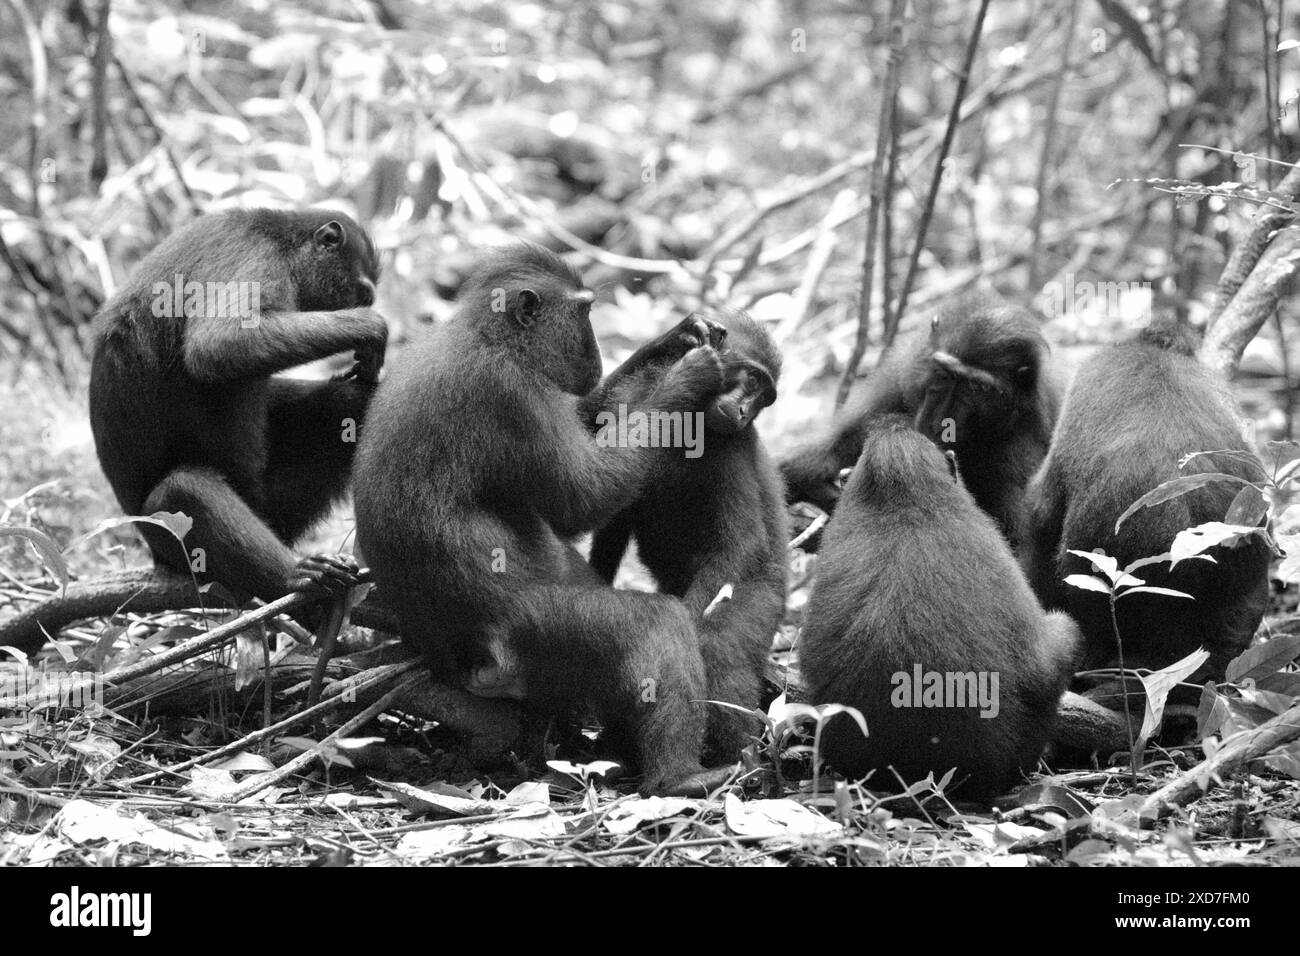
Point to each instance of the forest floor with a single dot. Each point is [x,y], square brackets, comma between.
[397,791]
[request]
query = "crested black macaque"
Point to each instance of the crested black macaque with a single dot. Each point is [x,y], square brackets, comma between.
[713,520]
[978,382]
[1133,411]
[477,469]
[921,619]
[187,415]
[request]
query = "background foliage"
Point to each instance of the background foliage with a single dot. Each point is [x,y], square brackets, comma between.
[693,155]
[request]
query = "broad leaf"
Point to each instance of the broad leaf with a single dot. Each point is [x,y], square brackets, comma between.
[1144,562]
[1284,456]
[1249,459]
[830,710]
[1167,592]
[1290,566]
[1281,499]
[1286,759]
[1263,659]
[1158,685]
[1102,561]
[1281,682]
[1243,715]
[177,523]
[1266,699]
[1249,508]
[1088,583]
[1192,541]
[1211,712]
[780,711]
[45,547]
[1174,488]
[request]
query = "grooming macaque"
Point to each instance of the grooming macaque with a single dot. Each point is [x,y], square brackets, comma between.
[915,585]
[188,416]
[977,382]
[1133,411]
[477,469]
[714,521]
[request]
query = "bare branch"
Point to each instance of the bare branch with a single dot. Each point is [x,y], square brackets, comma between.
[1045,162]
[1248,248]
[1253,302]
[884,135]
[955,117]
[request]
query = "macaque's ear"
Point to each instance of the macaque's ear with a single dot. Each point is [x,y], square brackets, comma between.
[528,308]
[330,235]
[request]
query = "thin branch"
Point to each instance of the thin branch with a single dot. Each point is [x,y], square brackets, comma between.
[950,131]
[339,694]
[1270,97]
[890,317]
[818,259]
[1234,152]
[1049,145]
[993,91]
[40,96]
[99,98]
[186,649]
[707,113]
[259,782]
[897,43]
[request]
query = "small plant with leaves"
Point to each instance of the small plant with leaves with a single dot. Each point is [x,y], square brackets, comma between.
[1118,583]
[53,557]
[1260,683]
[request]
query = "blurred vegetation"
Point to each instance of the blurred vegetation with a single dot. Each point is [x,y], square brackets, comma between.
[686,155]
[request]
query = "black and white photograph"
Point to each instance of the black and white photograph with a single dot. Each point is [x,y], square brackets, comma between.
[638,434]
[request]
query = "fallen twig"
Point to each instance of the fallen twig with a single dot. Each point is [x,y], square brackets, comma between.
[1235,753]
[338,694]
[262,781]
[179,652]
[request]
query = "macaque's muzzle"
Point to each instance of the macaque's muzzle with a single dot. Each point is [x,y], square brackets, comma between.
[749,391]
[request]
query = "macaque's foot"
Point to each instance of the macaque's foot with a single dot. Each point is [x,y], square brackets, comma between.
[695,783]
[327,574]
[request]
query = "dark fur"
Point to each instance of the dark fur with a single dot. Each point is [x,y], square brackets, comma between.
[1001,435]
[714,520]
[477,450]
[185,411]
[913,572]
[1133,411]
